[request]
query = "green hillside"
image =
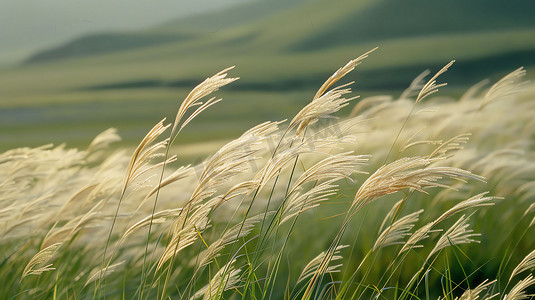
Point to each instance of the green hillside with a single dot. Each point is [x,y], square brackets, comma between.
[283,50]
[400,19]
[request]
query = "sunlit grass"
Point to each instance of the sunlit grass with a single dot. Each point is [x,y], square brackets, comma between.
[409,197]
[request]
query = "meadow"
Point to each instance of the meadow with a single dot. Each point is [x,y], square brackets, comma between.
[413,196]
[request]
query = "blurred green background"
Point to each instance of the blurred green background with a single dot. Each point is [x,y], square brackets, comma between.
[137,63]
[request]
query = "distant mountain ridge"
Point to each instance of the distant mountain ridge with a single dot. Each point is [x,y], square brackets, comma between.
[105,43]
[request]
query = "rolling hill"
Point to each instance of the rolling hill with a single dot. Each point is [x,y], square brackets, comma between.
[283,51]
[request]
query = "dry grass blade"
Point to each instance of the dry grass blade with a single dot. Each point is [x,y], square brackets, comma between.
[103,140]
[103,273]
[312,267]
[225,279]
[452,145]
[242,188]
[473,90]
[230,236]
[338,166]
[300,202]
[504,87]
[180,240]
[41,258]
[233,158]
[186,228]
[67,231]
[527,263]
[158,217]
[340,73]
[416,85]
[391,215]
[518,292]
[368,102]
[205,88]
[393,234]
[408,172]
[143,153]
[476,201]
[473,294]
[431,86]
[180,173]
[457,234]
[419,235]
[327,104]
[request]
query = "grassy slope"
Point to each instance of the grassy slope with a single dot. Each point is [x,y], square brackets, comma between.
[272,49]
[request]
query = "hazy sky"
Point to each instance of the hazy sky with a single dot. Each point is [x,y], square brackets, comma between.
[29,25]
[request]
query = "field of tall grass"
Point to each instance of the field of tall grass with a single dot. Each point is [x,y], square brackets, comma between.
[410,197]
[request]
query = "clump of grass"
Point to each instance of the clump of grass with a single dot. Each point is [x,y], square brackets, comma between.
[407,198]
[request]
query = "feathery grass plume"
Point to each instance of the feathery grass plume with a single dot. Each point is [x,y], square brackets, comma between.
[186,228]
[321,107]
[409,142]
[506,86]
[315,263]
[473,294]
[394,233]
[431,86]
[102,273]
[139,164]
[457,234]
[263,129]
[327,102]
[157,218]
[409,172]
[518,292]
[230,236]
[338,166]
[419,235]
[177,175]
[390,216]
[478,200]
[283,157]
[416,85]
[208,86]
[452,145]
[471,93]
[368,102]
[340,73]
[527,263]
[41,258]
[70,229]
[103,140]
[422,233]
[239,189]
[233,158]
[179,241]
[33,206]
[300,202]
[143,153]
[7,157]
[73,201]
[225,279]
[414,173]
